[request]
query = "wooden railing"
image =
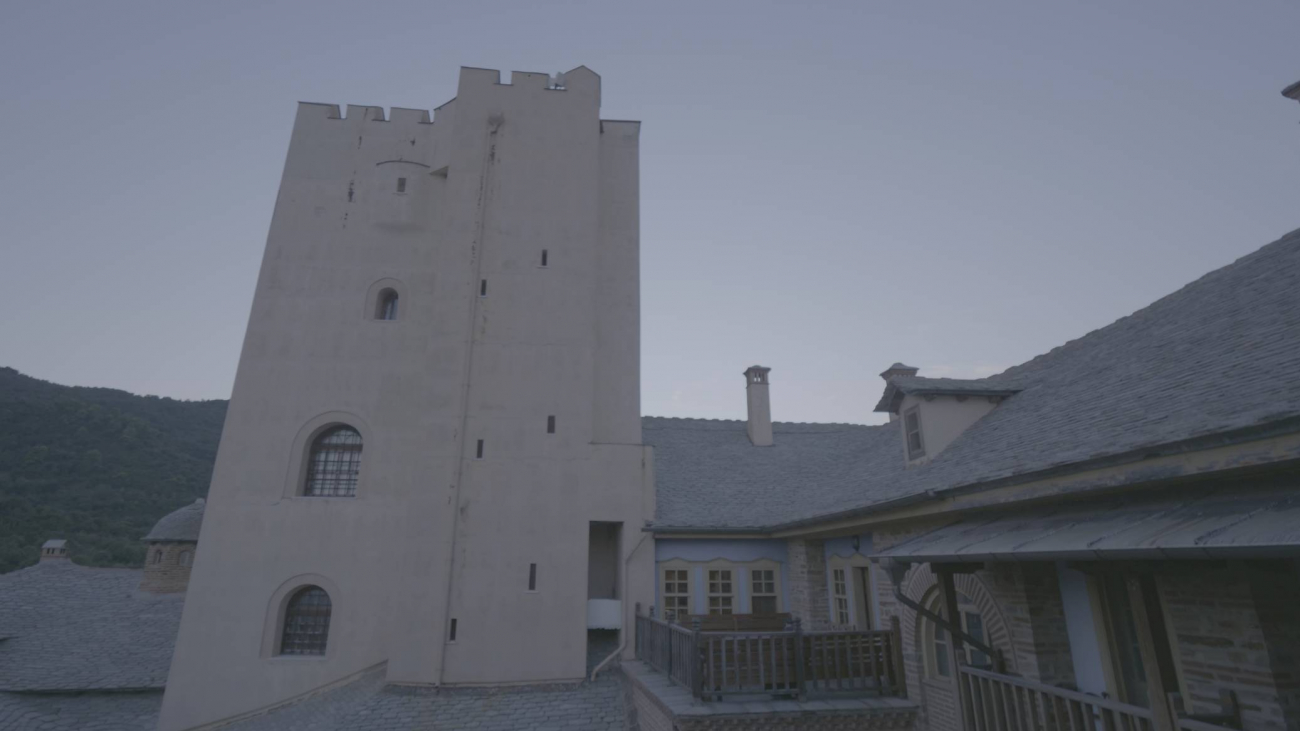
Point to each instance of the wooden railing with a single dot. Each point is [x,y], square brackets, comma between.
[996,702]
[790,663]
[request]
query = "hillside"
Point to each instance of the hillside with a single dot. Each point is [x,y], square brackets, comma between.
[96,466]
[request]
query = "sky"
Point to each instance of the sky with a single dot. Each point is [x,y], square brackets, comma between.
[826,187]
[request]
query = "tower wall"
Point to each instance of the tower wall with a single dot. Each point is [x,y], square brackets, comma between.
[434,532]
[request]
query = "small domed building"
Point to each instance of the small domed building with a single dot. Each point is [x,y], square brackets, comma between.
[88,647]
[172,544]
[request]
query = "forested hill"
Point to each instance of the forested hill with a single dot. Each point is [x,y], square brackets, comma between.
[96,466]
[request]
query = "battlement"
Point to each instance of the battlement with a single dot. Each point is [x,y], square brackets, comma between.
[580,81]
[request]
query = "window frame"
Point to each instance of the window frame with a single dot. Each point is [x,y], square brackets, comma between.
[301,593]
[764,566]
[730,595]
[687,577]
[937,639]
[912,417]
[310,462]
[841,613]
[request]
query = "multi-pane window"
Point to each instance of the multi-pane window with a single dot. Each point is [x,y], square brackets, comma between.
[762,591]
[721,593]
[677,593]
[972,624]
[334,463]
[912,424]
[840,592]
[306,622]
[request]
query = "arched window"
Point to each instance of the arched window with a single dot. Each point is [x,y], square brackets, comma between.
[334,463]
[306,622]
[157,556]
[937,639]
[186,558]
[386,305]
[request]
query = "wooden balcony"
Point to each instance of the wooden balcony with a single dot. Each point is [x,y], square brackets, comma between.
[775,663]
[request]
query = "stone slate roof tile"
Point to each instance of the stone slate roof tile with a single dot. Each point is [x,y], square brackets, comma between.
[179,525]
[1219,355]
[75,628]
[368,704]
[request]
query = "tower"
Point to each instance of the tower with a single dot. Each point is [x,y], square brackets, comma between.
[432,457]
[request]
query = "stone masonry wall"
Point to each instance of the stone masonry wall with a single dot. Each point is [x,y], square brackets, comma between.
[806,567]
[1023,615]
[167,576]
[1236,628]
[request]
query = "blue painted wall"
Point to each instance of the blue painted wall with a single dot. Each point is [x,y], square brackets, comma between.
[739,551]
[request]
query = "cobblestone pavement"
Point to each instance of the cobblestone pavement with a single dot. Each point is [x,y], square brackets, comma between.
[80,711]
[368,705]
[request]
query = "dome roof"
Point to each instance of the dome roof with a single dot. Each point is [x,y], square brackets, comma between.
[180,525]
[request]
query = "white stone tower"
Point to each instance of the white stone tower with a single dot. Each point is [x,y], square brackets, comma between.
[455,302]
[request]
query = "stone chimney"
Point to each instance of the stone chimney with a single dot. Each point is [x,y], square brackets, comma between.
[55,549]
[898,369]
[760,408]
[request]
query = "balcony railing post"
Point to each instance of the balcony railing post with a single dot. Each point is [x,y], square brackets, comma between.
[697,660]
[896,656]
[800,690]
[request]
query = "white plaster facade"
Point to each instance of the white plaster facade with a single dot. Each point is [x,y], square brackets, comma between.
[488,343]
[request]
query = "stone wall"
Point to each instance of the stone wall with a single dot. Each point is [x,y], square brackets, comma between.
[1235,628]
[168,575]
[809,600]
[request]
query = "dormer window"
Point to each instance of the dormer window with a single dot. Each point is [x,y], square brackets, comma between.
[912,427]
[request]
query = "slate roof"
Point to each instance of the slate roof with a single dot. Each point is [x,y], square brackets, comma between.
[898,386]
[106,711]
[179,525]
[1219,355]
[367,704]
[708,474]
[71,627]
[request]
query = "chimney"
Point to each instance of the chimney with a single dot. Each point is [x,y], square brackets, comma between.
[897,369]
[54,549]
[760,408]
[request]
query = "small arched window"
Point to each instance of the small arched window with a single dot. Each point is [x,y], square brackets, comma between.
[186,558]
[157,556]
[334,463]
[938,641]
[386,305]
[306,622]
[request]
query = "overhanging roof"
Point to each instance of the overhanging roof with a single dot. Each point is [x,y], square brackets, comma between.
[1219,522]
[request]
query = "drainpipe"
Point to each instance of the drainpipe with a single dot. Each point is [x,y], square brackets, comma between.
[622,645]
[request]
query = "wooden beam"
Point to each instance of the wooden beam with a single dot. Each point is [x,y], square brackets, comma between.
[949,595]
[1161,715]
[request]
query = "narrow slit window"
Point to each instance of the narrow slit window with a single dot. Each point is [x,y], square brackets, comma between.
[401,185]
[482,288]
[532,577]
[451,632]
[550,425]
[478,453]
[544,257]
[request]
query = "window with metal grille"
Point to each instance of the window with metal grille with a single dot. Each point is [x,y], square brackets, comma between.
[762,591]
[677,593]
[334,464]
[912,421]
[721,594]
[386,305]
[840,591]
[306,622]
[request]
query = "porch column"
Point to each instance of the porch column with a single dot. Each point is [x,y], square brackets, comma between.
[1157,685]
[806,572]
[955,655]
